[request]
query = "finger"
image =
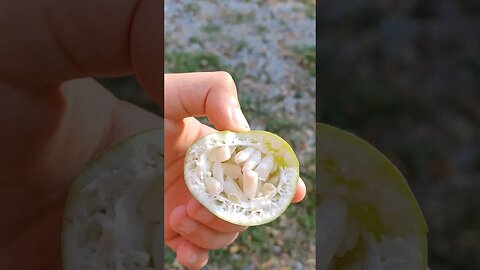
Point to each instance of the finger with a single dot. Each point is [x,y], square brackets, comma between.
[211,94]
[181,135]
[175,242]
[199,213]
[53,41]
[191,256]
[146,47]
[300,192]
[197,233]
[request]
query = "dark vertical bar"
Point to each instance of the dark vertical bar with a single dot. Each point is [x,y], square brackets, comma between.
[405,76]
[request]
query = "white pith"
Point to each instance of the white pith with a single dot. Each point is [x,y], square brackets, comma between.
[236,203]
[359,177]
[114,209]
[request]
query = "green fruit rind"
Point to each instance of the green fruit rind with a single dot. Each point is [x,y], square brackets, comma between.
[375,193]
[233,212]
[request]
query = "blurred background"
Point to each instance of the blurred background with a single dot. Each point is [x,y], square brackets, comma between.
[269,49]
[405,76]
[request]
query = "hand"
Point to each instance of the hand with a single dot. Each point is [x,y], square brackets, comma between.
[190,229]
[49,130]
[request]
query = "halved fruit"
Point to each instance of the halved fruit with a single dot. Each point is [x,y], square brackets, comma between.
[246,178]
[113,215]
[367,216]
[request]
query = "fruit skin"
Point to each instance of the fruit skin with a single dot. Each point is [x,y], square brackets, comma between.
[336,136]
[120,151]
[280,144]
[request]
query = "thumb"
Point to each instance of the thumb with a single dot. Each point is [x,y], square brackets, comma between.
[211,94]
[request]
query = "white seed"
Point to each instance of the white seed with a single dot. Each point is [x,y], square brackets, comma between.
[231,160]
[273,180]
[231,187]
[233,197]
[252,161]
[275,166]
[243,155]
[265,167]
[213,186]
[250,183]
[217,171]
[231,170]
[267,189]
[240,180]
[259,187]
[220,154]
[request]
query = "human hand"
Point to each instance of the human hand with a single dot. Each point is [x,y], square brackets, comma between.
[190,229]
[50,129]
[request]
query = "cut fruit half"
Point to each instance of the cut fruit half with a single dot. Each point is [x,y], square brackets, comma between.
[113,215]
[246,178]
[368,218]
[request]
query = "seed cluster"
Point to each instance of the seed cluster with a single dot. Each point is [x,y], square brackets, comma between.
[241,173]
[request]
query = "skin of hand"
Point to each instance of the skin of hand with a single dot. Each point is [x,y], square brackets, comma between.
[190,229]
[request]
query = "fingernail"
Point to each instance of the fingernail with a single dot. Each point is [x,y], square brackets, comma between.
[193,258]
[239,118]
[187,225]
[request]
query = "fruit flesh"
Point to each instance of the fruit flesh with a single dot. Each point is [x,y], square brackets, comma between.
[256,158]
[112,218]
[368,216]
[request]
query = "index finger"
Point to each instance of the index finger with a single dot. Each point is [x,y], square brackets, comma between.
[211,94]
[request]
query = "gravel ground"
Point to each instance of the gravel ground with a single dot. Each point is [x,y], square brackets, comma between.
[268,47]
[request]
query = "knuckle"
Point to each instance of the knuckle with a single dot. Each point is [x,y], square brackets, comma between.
[226,79]
[222,243]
